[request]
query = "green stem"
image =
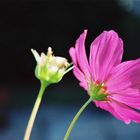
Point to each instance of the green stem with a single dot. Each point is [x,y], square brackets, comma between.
[34,111]
[76,117]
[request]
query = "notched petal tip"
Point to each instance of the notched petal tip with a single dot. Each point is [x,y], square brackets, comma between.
[111,33]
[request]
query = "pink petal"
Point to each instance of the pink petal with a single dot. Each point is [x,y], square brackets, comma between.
[84,85]
[125,77]
[80,76]
[77,72]
[127,113]
[132,101]
[120,111]
[106,52]
[106,105]
[73,55]
[81,54]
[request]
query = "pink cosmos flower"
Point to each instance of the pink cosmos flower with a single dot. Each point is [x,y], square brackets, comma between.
[117,84]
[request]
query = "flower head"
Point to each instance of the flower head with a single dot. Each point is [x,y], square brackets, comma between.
[114,86]
[50,68]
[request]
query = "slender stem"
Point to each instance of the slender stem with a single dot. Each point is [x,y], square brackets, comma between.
[69,69]
[34,111]
[76,117]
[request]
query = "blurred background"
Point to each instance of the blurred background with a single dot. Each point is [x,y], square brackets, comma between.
[37,24]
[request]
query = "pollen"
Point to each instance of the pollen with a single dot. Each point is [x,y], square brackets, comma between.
[103,87]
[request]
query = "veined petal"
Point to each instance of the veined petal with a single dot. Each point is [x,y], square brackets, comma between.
[81,77]
[106,105]
[84,85]
[120,111]
[81,54]
[73,55]
[125,77]
[127,113]
[77,72]
[132,101]
[105,52]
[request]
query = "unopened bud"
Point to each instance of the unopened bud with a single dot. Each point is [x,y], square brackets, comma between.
[50,68]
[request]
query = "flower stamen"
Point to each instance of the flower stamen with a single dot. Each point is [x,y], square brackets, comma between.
[98,91]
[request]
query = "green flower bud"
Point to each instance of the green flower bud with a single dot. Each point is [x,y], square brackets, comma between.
[50,68]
